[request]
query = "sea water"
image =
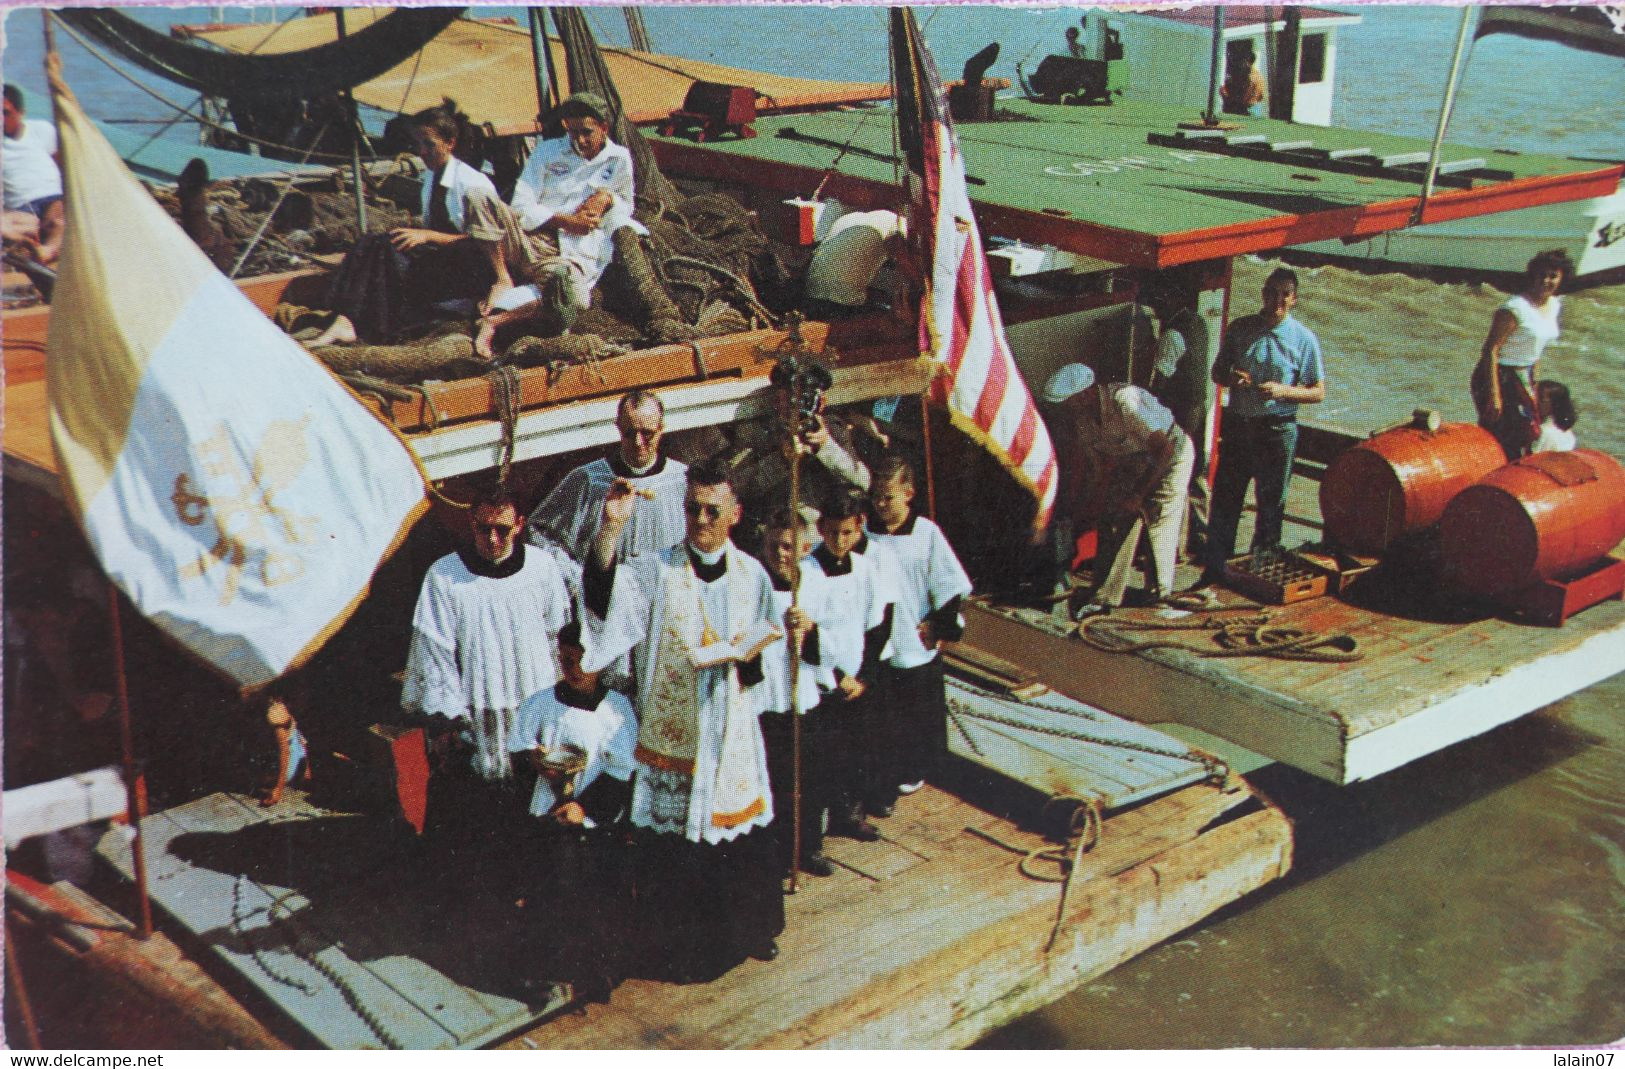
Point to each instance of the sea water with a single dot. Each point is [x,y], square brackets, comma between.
[1475,897]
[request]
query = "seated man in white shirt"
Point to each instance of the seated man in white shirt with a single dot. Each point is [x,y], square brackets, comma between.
[33,181]
[573,194]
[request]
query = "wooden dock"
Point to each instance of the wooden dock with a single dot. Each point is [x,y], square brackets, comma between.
[1420,685]
[931,937]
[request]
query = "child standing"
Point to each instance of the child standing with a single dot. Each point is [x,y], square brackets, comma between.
[854,623]
[930,583]
[780,556]
[579,737]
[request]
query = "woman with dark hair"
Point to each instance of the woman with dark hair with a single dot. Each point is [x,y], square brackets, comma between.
[1503,383]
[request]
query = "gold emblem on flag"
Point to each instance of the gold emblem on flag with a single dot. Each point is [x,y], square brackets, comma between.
[252,529]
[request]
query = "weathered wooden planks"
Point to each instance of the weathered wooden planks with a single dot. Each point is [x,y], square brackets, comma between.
[950,948]
[927,938]
[1419,686]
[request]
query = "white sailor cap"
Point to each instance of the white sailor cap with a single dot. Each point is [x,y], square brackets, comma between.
[1071,379]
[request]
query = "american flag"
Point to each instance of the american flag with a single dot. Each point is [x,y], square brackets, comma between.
[960,327]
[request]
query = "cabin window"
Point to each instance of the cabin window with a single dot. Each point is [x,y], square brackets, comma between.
[1312,59]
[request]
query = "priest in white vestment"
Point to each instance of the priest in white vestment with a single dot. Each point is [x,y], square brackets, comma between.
[695,618]
[483,639]
[569,516]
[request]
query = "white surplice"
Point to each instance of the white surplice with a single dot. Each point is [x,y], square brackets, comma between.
[569,516]
[605,735]
[481,644]
[702,765]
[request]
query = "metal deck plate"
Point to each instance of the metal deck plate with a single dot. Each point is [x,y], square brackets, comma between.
[331,922]
[1066,748]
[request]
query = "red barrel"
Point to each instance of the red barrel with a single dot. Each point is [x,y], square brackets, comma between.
[1398,482]
[1546,516]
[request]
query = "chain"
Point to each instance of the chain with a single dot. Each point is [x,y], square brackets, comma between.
[1216,769]
[321,968]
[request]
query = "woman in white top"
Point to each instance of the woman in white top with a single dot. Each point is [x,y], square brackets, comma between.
[1504,381]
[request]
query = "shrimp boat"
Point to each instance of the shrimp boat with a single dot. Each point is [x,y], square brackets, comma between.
[1112,777]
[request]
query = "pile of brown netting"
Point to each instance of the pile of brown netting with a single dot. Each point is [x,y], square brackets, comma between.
[706,269]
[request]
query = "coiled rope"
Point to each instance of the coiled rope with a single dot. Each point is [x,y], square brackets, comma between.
[1235,636]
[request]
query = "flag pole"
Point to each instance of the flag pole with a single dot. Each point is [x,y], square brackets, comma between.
[135,781]
[135,784]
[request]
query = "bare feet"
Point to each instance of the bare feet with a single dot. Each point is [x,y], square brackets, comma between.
[339,332]
[483,338]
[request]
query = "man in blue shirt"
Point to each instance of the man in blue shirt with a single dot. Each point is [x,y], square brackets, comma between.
[1271,363]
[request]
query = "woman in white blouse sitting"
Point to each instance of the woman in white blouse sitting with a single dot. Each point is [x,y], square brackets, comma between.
[1504,381]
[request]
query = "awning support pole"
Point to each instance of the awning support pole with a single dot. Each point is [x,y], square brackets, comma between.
[355,139]
[1212,115]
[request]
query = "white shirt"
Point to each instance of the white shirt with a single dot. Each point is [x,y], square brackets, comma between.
[460,180]
[1128,417]
[28,168]
[1553,439]
[928,576]
[846,262]
[1537,327]
[556,180]
[851,605]
[607,735]
[481,645]
[773,692]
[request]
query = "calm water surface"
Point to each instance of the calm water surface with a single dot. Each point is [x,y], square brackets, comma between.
[1474,897]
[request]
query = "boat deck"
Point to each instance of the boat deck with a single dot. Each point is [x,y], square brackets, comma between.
[1431,673]
[930,937]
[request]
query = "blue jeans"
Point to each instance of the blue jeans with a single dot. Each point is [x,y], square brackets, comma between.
[1250,449]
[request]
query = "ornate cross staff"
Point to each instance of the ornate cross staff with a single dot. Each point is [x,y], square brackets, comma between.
[801,380]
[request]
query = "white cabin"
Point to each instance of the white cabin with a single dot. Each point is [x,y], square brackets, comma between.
[1168,51]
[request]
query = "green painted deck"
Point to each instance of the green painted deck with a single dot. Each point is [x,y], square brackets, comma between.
[1090,180]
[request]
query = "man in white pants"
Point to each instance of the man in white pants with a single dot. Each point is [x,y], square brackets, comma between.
[1140,463]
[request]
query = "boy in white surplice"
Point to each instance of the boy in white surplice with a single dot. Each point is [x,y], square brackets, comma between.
[578,736]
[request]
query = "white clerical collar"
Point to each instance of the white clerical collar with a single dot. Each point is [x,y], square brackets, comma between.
[646,469]
[706,558]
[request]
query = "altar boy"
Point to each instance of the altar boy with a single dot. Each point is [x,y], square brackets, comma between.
[854,623]
[578,737]
[930,583]
[783,562]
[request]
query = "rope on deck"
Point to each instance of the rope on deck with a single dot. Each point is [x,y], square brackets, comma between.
[1235,636]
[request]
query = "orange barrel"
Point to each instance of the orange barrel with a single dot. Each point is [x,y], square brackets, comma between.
[1545,516]
[1398,482]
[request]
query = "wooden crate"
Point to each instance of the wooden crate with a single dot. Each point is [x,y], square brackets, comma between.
[1280,579]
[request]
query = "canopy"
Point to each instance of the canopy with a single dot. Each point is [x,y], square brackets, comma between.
[486,67]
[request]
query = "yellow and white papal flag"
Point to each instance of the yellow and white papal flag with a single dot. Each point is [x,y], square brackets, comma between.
[229,484]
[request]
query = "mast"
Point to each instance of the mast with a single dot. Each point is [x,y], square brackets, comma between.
[1445,108]
[541,63]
